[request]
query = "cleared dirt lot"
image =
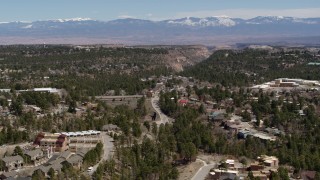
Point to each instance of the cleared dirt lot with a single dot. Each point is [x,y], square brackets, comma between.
[113,102]
[188,171]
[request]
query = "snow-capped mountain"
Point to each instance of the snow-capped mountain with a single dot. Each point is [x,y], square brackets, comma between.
[204,22]
[71,19]
[225,21]
[282,20]
[189,29]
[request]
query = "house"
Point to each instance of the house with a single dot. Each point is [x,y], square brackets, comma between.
[244,133]
[35,156]
[9,175]
[56,167]
[13,162]
[75,160]
[274,131]
[183,102]
[230,163]
[255,167]
[236,126]
[219,174]
[45,169]
[5,90]
[55,160]
[270,161]
[82,152]
[217,115]
[222,176]
[59,158]
[66,154]
[260,175]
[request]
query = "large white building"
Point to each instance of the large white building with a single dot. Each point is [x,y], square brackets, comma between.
[49,90]
[287,83]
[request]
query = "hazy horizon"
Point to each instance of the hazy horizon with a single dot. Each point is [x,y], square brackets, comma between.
[104,10]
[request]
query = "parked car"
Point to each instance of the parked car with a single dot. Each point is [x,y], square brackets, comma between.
[90,169]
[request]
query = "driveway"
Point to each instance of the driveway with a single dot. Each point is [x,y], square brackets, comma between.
[203,171]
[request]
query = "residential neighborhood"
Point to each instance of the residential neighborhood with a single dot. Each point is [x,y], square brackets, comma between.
[231,116]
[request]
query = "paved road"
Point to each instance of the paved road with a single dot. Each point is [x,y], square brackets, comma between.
[118,97]
[107,146]
[155,104]
[203,171]
[107,150]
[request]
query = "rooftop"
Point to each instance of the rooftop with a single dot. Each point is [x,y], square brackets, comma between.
[9,174]
[267,158]
[33,152]
[12,158]
[51,90]
[75,158]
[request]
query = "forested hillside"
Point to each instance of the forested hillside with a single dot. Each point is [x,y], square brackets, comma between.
[245,67]
[93,69]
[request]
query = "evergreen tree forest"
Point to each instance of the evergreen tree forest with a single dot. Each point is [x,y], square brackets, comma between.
[144,149]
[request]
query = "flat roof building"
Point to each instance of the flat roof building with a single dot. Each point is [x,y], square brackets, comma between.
[49,90]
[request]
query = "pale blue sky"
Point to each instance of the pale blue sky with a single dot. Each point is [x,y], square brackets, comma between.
[31,10]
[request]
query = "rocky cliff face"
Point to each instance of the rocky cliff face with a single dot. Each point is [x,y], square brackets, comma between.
[182,56]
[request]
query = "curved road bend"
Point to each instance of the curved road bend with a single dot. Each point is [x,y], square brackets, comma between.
[203,171]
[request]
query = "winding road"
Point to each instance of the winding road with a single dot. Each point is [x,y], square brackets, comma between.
[205,169]
[155,104]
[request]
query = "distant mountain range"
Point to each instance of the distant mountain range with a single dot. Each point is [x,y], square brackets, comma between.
[189,30]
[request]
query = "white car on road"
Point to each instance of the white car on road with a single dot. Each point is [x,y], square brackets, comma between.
[90,169]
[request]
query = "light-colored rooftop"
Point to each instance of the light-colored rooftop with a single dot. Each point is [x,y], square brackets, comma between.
[51,90]
[33,152]
[226,171]
[9,159]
